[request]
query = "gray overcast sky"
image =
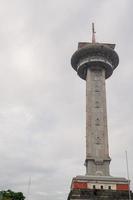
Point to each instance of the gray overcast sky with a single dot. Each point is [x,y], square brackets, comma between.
[42,100]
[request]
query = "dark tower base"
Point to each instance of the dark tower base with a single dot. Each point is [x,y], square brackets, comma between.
[99,195]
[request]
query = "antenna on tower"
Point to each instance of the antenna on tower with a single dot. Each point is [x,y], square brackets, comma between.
[93,33]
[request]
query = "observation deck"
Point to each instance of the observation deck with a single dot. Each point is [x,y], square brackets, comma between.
[93,55]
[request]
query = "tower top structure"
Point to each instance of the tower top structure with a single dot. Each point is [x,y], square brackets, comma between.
[94,53]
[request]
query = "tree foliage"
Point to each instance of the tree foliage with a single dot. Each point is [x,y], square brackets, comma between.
[10,195]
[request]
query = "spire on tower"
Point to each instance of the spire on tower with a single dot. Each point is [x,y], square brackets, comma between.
[93,33]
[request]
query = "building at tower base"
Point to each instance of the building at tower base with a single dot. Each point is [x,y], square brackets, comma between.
[102,187]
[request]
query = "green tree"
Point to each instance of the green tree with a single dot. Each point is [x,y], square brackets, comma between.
[10,195]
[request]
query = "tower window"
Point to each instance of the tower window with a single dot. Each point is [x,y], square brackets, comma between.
[94,187]
[101,187]
[97,140]
[97,104]
[97,122]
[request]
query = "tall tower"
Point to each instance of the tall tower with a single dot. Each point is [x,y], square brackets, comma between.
[95,62]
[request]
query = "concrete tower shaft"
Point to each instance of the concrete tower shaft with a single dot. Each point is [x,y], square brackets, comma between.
[97,153]
[95,62]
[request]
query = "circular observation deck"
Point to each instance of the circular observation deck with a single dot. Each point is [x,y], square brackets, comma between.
[94,55]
